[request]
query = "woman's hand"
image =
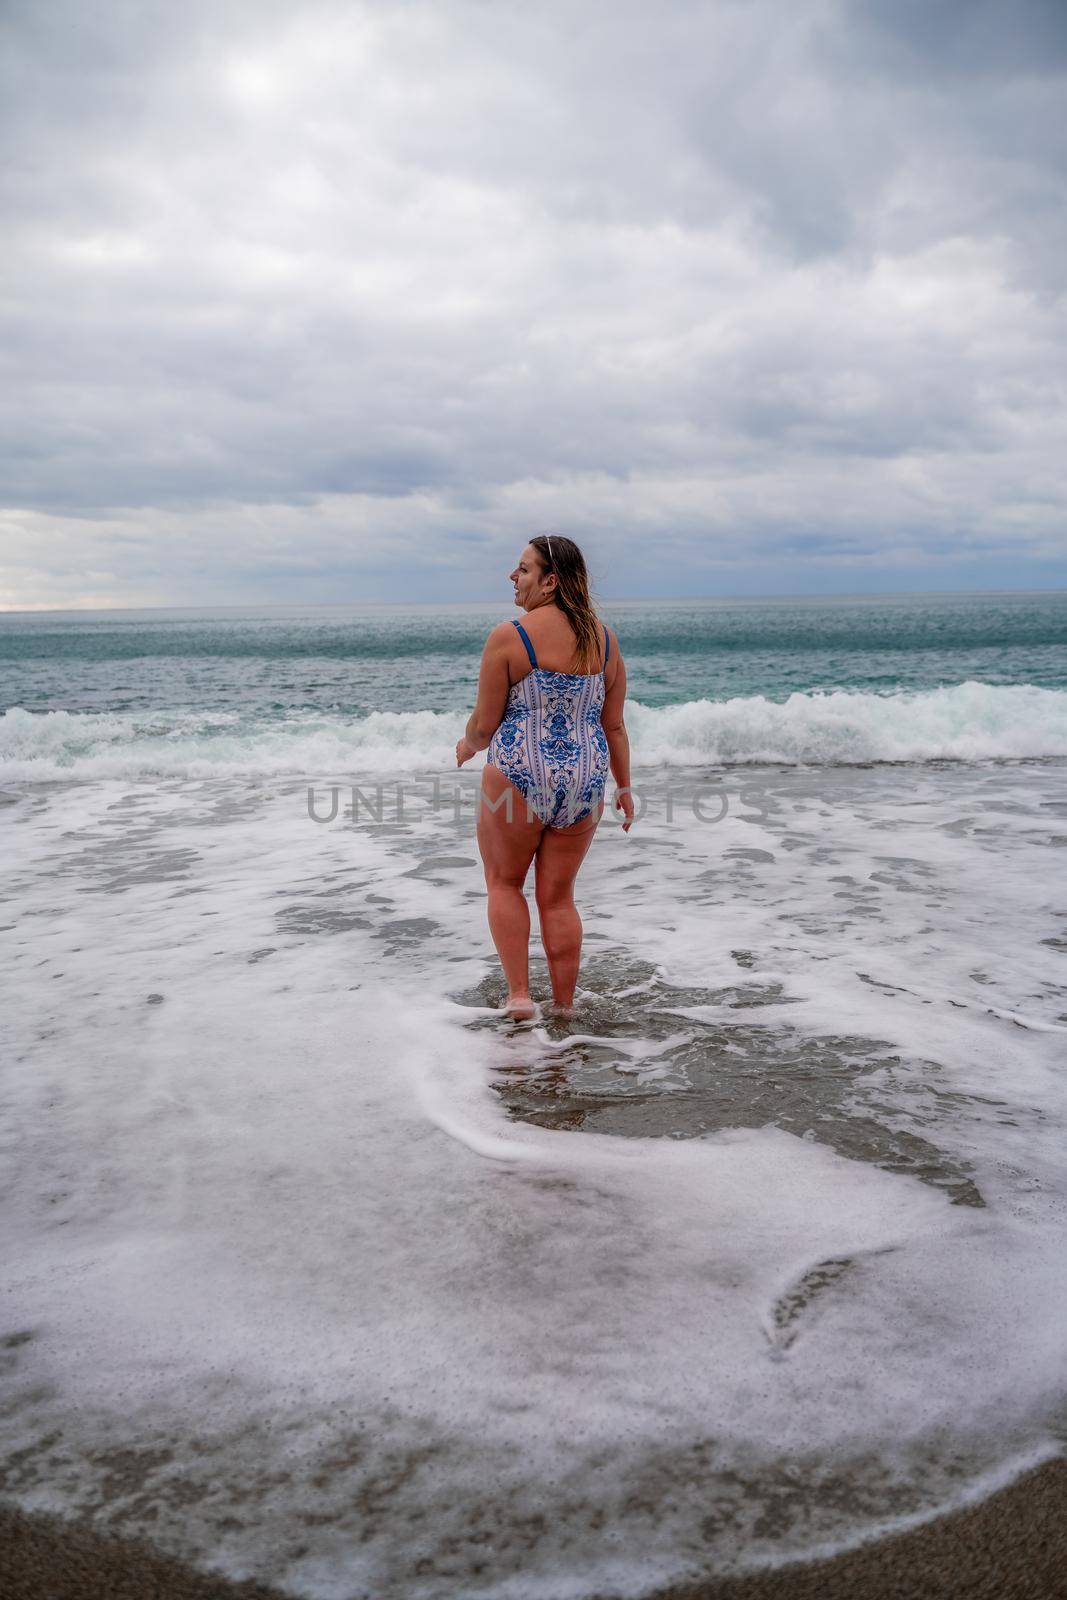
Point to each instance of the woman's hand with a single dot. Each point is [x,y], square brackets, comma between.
[624,802]
[464,751]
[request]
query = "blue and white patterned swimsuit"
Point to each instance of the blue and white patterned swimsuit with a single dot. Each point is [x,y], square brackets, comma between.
[551,743]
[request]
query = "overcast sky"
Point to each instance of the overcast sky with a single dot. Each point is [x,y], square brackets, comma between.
[335,302]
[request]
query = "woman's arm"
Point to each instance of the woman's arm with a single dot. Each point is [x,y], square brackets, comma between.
[493,685]
[611,717]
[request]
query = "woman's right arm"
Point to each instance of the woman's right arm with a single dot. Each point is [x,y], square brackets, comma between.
[611,717]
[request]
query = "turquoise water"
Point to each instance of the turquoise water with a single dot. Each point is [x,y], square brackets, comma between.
[358,659]
[827,680]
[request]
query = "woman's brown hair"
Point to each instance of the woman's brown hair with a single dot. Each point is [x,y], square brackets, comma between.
[563,557]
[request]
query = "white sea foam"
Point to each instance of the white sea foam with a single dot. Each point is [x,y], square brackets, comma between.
[270,1225]
[965,722]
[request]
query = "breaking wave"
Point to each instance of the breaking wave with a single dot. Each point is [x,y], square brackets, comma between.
[965,722]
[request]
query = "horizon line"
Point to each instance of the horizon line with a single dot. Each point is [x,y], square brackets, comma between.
[341,605]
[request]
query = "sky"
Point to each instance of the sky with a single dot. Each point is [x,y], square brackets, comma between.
[324,303]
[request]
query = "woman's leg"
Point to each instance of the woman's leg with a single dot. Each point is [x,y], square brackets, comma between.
[559,855]
[507,845]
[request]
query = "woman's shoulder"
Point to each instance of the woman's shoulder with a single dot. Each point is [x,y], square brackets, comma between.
[501,633]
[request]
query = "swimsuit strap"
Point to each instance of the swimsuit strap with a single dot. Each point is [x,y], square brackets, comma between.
[526,642]
[530,649]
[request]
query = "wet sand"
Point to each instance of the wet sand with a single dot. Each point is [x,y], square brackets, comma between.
[1012,1546]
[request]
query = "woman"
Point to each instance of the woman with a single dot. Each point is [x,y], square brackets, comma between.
[549,713]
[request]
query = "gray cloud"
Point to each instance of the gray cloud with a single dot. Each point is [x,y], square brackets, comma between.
[749,296]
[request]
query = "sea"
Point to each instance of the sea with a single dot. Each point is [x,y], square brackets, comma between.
[319,1271]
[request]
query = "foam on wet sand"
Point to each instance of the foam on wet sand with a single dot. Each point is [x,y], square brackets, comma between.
[324,1275]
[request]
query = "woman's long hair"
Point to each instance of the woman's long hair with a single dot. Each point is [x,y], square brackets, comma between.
[563,557]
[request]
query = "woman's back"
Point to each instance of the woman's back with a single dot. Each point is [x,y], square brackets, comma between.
[550,744]
[554,643]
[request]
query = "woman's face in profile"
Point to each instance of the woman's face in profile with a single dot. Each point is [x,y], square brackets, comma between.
[526,576]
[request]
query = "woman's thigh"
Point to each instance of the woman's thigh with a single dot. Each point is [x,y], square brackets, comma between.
[508,835]
[560,854]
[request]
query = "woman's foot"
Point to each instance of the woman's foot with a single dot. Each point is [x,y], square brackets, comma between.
[564,1013]
[520,1008]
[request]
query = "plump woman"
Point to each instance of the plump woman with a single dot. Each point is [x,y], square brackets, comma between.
[549,713]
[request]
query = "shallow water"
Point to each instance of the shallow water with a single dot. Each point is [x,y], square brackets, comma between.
[317,1265]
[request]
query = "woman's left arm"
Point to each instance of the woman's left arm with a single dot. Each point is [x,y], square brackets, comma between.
[493,686]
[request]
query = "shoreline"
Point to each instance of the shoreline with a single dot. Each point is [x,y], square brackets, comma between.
[1010,1546]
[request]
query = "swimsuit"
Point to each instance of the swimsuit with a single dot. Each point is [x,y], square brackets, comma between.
[551,744]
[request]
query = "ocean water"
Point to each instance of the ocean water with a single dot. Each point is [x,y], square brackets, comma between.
[388,688]
[318,1271]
